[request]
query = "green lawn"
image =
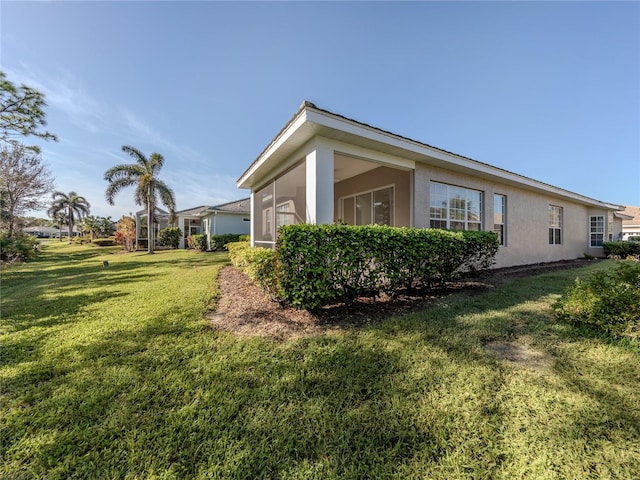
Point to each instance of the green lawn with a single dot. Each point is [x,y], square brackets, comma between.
[112,373]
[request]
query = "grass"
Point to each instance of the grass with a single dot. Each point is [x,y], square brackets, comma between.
[112,373]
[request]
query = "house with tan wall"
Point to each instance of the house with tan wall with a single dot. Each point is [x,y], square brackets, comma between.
[325,168]
[630,222]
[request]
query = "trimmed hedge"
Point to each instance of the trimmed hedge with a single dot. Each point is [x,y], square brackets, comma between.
[621,249]
[324,264]
[199,241]
[105,242]
[217,242]
[260,264]
[606,300]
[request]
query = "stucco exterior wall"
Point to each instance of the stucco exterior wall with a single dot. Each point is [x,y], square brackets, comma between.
[527,218]
[375,179]
[222,223]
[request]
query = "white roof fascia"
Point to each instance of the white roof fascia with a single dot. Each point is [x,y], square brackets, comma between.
[355,128]
[322,118]
[275,145]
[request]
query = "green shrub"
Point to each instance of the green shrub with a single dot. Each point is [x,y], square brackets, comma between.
[321,264]
[237,253]
[621,249]
[105,242]
[633,239]
[217,242]
[262,267]
[170,237]
[17,248]
[607,300]
[260,264]
[199,241]
[247,238]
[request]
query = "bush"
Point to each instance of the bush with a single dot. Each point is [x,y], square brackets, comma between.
[17,248]
[321,264]
[237,253]
[170,237]
[105,242]
[217,242]
[260,264]
[621,249]
[199,241]
[606,300]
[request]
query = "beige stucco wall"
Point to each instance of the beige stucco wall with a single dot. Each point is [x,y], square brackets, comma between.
[527,234]
[378,178]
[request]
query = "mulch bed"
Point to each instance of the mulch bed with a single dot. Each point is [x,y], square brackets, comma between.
[244,309]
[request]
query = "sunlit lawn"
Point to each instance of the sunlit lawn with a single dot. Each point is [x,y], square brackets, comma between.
[112,373]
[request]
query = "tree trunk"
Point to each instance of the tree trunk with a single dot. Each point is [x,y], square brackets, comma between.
[150,232]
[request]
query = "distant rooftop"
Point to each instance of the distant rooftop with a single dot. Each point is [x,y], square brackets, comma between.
[238,206]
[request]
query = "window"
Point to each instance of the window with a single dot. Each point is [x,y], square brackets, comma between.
[286,213]
[596,230]
[455,208]
[555,225]
[499,217]
[375,207]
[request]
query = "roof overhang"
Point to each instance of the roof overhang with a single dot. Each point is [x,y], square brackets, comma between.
[623,216]
[310,121]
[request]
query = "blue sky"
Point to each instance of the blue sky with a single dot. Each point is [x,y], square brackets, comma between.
[549,90]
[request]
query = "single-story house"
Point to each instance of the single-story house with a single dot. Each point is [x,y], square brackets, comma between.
[39,231]
[323,168]
[630,222]
[231,217]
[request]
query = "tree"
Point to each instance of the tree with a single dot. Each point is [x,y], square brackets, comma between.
[144,175]
[24,181]
[58,220]
[96,226]
[126,233]
[74,205]
[21,112]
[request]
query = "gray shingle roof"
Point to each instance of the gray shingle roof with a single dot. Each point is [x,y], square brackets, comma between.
[239,206]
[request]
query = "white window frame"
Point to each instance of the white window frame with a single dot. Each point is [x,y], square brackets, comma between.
[447,219]
[500,226]
[597,231]
[555,225]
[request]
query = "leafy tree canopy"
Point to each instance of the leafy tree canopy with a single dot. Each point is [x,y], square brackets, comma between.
[21,112]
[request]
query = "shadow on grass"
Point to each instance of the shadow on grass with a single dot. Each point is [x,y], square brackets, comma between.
[411,397]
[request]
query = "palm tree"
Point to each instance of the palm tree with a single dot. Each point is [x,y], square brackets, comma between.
[144,175]
[58,220]
[73,205]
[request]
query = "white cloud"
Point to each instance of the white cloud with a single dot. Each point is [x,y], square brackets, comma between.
[64,91]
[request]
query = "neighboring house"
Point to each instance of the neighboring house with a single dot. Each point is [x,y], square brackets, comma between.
[231,217]
[160,221]
[323,167]
[44,232]
[630,222]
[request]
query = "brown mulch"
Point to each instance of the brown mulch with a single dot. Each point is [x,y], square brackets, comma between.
[244,309]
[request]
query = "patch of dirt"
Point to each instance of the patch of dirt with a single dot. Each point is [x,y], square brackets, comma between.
[244,309]
[521,354]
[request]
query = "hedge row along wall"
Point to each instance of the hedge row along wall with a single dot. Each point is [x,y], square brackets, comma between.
[621,249]
[316,265]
